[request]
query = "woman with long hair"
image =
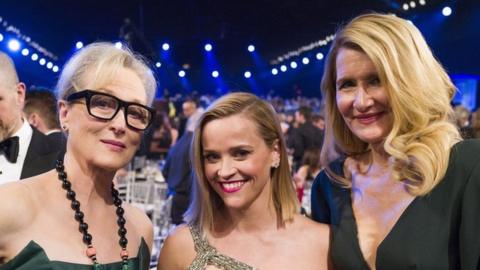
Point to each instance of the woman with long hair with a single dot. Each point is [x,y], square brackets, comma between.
[400,187]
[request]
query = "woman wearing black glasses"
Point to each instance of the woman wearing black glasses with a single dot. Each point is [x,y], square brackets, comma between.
[71,217]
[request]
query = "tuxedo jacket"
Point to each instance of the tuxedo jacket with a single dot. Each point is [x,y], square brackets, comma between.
[41,155]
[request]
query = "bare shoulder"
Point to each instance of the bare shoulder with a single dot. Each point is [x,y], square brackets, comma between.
[141,222]
[178,251]
[318,234]
[313,242]
[15,198]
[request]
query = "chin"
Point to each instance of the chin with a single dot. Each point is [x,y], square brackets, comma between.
[111,164]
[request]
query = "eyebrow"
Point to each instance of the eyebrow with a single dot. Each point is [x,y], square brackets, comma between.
[368,76]
[108,91]
[238,147]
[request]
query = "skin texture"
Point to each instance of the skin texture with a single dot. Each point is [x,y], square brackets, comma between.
[361,98]
[12,97]
[234,155]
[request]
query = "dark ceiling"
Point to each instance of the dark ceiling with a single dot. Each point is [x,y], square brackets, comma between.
[274,26]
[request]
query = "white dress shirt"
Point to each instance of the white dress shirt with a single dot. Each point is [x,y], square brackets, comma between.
[10,172]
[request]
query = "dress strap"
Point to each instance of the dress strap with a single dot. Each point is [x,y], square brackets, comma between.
[208,255]
[201,245]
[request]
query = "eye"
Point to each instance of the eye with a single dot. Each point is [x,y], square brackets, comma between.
[103,102]
[346,84]
[137,113]
[375,81]
[211,157]
[240,154]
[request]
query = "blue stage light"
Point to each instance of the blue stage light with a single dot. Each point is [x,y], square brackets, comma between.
[13,45]
[319,56]
[49,65]
[25,52]
[118,45]
[208,47]
[79,45]
[283,68]
[447,11]
[1,37]
[158,64]
[181,73]
[165,46]
[293,64]
[251,48]
[55,69]
[305,60]
[247,74]
[215,74]
[274,71]
[42,61]
[34,57]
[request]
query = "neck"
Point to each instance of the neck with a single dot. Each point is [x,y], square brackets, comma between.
[259,216]
[12,130]
[378,155]
[90,184]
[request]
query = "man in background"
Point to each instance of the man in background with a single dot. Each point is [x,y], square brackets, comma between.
[41,112]
[304,137]
[24,151]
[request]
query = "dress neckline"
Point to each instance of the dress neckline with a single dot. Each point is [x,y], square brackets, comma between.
[348,219]
[38,249]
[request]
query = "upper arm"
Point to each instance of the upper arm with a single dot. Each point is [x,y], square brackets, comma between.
[320,207]
[178,250]
[14,199]
[470,222]
[142,224]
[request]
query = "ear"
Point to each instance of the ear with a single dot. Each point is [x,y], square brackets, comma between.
[20,91]
[276,154]
[33,119]
[63,114]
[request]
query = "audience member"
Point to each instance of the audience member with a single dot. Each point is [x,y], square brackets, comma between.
[305,136]
[41,112]
[24,151]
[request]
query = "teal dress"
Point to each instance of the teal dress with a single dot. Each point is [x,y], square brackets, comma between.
[34,257]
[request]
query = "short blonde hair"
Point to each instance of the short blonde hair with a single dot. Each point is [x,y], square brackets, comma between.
[103,60]
[419,93]
[206,202]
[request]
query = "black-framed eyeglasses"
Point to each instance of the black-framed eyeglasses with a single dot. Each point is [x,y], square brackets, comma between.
[105,107]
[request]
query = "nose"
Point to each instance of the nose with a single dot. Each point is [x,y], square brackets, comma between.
[226,169]
[363,100]
[118,124]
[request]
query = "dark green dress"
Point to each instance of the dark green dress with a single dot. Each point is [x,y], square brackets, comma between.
[33,257]
[438,231]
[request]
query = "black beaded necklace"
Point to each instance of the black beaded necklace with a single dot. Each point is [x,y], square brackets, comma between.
[91,252]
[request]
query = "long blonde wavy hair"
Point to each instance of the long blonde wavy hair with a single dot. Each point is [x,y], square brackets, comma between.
[419,91]
[206,203]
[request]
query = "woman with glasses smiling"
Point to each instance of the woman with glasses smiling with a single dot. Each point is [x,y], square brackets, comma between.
[72,217]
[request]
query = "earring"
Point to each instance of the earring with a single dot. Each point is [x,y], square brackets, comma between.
[276,163]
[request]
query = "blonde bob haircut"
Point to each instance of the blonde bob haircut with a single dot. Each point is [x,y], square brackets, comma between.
[206,203]
[95,66]
[419,92]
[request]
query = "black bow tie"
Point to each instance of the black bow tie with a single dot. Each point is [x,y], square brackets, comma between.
[10,148]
